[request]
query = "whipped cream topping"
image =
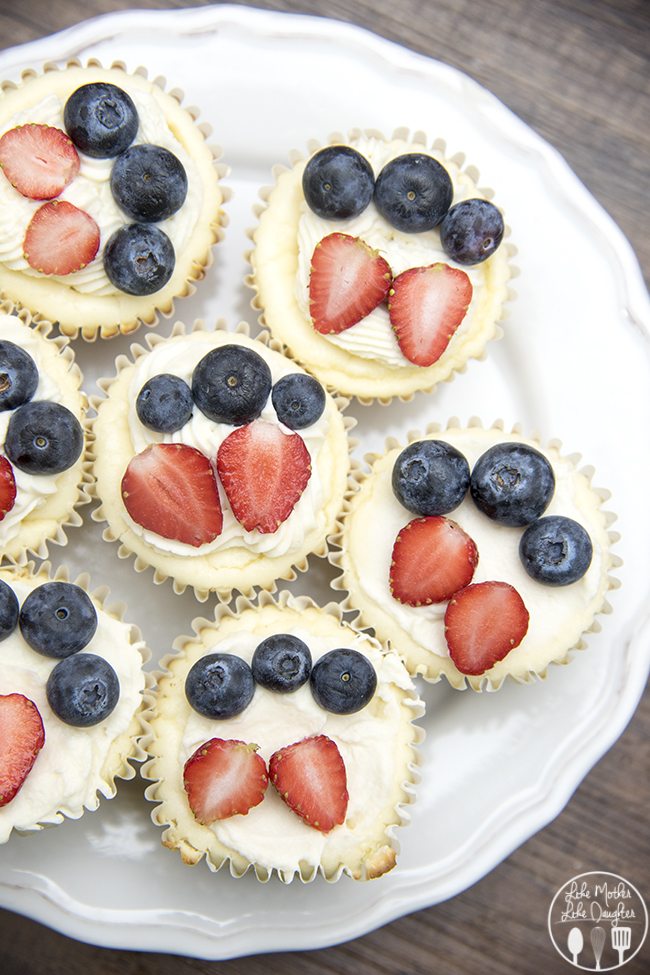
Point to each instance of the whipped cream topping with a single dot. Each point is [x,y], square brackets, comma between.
[91,191]
[271,835]
[373,336]
[179,356]
[69,769]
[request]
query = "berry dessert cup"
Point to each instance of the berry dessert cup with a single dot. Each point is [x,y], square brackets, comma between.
[43,464]
[380,264]
[110,199]
[283,739]
[218,461]
[476,553]
[71,688]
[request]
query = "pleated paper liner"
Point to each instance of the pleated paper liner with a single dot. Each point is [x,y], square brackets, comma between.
[47,522]
[106,316]
[228,570]
[274,263]
[373,850]
[382,617]
[123,748]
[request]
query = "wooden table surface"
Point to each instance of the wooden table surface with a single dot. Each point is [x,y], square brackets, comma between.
[578,71]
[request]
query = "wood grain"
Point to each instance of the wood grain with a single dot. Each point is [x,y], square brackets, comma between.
[578,72]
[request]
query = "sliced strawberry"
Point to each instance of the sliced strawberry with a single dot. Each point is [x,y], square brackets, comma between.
[224,778]
[483,623]
[21,738]
[7,487]
[432,559]
[264,472]
[60,239]
[171,490]
[426,306]
[348,280]
[310,777]
[38,160]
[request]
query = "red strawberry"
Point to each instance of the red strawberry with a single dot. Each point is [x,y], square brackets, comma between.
[171,490]
[426,306]
[483,623]
[264,472]
[60,239]
[38,160]
[310,777]
[224,778]
[432,559]
[7,487]
[21,738]
[348,280]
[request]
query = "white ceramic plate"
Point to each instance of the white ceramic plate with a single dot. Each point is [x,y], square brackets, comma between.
[574,363]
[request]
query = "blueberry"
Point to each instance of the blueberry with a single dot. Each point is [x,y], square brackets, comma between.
[555,550]
[471,231]
[101,120]
[83,690]
[220,685]
[18,376]
[430,477]
[58,619]
[413,192]
[8,610]
[149,183]
[298,400]
[139,259]
[43,438]
[338,183]
[282,663]
[231,384]
[512,484]
[343,681]
[164,403]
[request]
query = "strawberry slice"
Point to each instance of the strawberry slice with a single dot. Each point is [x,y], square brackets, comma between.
[426,305]
[432,559]
[7,487]
[348,280]
[21,738]
[224,778]
[264,472]
[171,490]
[310,777]
[38,160]
[60,239]
[483,623]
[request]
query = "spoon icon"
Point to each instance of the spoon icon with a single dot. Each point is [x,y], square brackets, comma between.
[575,943]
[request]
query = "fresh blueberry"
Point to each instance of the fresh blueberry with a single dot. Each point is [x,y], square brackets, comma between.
[101,120]
[8,610]
[231,384]
[343,681]
[430,477]
[58,619]
[413,192]
[149,183]
[282,663]
[512,484]
[18,376]
[83,690]
[298,400]
[43,438]
[555,550]
[471,231]
[164,403]
[220,685]
[139,259]
[338,183]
